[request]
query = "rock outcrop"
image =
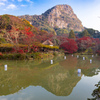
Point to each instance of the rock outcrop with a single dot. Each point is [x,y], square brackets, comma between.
[60,16]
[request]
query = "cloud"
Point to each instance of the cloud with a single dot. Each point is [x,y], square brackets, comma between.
[11,6]
[29,1]
[2,4]
[4,0]
[20,0]
[23,5]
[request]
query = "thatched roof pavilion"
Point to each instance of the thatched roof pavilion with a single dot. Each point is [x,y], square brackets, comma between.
[48,42]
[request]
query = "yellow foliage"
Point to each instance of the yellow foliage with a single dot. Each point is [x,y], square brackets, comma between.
[48,46]
[6,45]
[21,45]
[12,45]
[27,23]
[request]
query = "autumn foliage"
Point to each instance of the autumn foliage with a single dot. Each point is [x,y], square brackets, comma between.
[31,38]
[84,43]
[70,46]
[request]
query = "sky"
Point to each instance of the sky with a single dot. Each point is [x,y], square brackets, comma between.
[86,10]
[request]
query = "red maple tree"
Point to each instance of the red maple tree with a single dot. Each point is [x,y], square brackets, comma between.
[69,46]
[28,39]
[84,43]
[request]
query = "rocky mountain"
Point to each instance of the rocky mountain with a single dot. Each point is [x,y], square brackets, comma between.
[60,16]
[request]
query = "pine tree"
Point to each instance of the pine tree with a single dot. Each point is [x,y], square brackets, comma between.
[85,33]
[72,34]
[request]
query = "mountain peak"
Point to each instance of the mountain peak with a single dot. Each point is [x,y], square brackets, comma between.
[60,16]
[63,16]
[56,8]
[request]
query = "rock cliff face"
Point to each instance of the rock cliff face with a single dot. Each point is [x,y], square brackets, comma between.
[60,16]
[63,16]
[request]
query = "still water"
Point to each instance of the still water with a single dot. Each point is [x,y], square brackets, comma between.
[40,80]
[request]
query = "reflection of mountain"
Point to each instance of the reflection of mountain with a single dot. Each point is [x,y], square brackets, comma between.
[62,83]
[56,79]
[69,63]
[59,78]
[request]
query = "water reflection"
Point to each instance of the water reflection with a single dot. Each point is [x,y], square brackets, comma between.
[59,78]
[96,92]
[79,74]
[56,79]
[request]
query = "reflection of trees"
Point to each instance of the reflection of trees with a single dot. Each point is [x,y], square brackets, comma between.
[12,81]
[59,78]
[96,92]
[91,72]
[69,63]
[88,69]
[56,79]
[62,78]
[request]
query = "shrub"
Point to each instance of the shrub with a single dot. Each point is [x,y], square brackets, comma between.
[4,56]
[90,50]
[54,53]
[16,56]
[20,51]
[98,51]
[1,55]
[10,56]
[36,55]
[19,56]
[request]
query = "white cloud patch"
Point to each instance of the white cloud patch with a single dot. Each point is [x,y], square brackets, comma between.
[20,0]
[2,4]
[11,6]
[29,1]
[3,0]
[23,5]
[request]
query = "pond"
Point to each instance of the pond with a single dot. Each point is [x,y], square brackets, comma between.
[40,80]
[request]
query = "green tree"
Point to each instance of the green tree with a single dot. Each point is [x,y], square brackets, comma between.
[72,34]
[91,31]
[4,22]
[85,33]
[61,31]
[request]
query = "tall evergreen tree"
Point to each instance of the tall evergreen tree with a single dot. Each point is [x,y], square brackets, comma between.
[85,33]
[72,34]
